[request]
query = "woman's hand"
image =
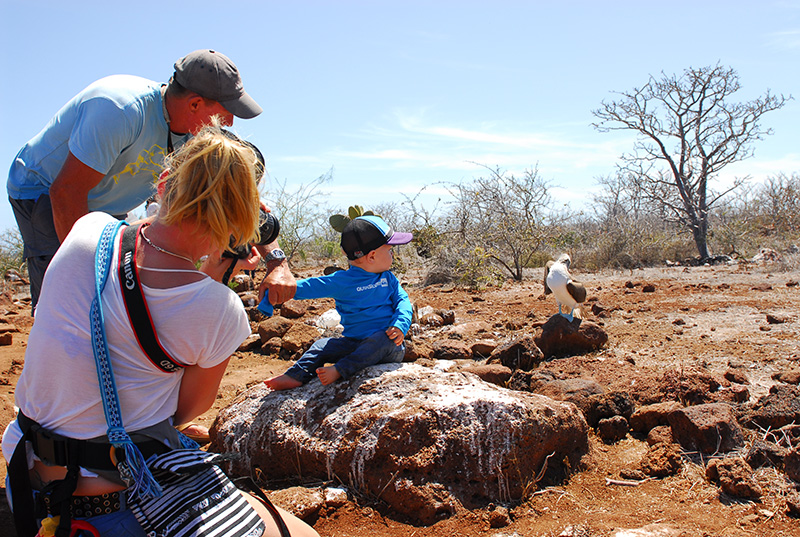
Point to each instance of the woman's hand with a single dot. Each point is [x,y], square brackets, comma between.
[215,265]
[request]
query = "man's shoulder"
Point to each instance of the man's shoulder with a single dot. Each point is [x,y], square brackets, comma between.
[123,83]
[120,89]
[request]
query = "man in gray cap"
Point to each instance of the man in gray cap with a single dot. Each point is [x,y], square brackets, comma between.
[104,150]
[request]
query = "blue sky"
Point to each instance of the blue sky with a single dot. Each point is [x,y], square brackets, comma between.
[393,96]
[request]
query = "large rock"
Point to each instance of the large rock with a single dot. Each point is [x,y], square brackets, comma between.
[451,349]
[417,350]
[424,440]
[612,429]
[300,337]
[575,390]
[519,353]
[559,337]
[710,428]
[492,373]
[764,453]
[735,477]
[607,405]
[661,460]
[275,326]
[650,416]
[781,406]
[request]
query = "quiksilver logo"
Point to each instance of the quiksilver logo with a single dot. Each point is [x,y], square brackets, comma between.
[126,265]
[380,283]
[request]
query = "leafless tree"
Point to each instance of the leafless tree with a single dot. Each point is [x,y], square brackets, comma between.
[504,215]
[688,130]
[299,209]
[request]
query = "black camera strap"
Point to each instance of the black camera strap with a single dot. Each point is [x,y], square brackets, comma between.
[227,276]
[136,306]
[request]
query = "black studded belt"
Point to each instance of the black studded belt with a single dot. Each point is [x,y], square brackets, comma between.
[89,506]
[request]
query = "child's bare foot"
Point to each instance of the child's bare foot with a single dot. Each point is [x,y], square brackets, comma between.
[283,382]
[328,374]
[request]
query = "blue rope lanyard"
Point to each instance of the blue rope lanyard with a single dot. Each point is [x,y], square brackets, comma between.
[132,468]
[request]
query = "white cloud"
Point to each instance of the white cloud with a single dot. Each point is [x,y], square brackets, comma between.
[787,40]
[409,139]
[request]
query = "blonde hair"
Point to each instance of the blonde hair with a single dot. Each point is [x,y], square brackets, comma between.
[211,180]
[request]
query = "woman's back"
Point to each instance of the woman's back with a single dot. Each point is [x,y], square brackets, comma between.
[59,358]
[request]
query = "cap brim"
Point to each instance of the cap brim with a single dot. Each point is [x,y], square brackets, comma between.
[244,107]
[400,238]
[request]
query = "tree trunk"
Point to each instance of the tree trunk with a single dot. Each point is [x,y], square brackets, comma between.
[701,239]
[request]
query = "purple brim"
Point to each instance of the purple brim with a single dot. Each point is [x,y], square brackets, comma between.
[400,238]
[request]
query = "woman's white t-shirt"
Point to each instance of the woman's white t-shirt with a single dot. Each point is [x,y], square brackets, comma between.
[200,323]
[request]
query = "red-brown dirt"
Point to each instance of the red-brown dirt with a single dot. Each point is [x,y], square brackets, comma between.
[706,318]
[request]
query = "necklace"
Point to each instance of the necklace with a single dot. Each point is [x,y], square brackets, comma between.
[163,251]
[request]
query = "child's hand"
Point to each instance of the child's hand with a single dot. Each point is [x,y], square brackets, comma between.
[395,334]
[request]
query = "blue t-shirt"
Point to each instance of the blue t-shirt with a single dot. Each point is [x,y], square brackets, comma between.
[116,126]
[367,302]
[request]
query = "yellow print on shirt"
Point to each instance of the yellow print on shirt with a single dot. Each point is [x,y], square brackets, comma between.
[151,161]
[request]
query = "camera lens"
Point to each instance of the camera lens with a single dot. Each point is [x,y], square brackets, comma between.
[269,228]
[268,231]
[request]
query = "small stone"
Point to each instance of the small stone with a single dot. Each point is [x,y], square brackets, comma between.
[301,502]
[272,346]
[661,434]
[612,429]
[335,497]
[293,309]
[252,343]
[498,517]
[632,474]
[776,319]
[734,375]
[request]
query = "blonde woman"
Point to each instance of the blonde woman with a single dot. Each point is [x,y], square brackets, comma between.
[209,195]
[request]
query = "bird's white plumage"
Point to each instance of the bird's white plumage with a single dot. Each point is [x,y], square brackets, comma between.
[558,278]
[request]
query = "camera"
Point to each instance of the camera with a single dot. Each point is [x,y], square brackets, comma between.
[268,230]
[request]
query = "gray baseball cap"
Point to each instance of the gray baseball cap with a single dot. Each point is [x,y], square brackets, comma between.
[214,76]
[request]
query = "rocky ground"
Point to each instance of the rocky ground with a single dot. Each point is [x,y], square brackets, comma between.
[693,335]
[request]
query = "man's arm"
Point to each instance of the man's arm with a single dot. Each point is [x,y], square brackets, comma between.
[279,279]
[69,193]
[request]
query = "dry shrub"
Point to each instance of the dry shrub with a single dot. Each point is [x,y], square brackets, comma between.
[461,265]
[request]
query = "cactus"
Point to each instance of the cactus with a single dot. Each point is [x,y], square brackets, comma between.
[339,221]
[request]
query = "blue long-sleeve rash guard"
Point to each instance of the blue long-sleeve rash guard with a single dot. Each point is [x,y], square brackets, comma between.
[367,302]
